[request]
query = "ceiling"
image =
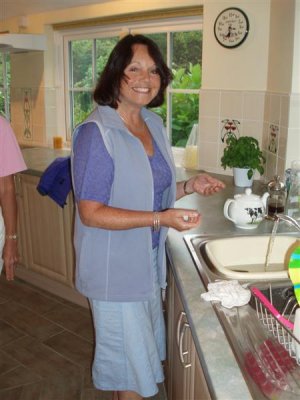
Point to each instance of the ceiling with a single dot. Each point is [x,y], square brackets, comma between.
[16,8]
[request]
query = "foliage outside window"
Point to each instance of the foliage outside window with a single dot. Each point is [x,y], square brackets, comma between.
[4,85]
[87,60]
[182,50]
[183,99]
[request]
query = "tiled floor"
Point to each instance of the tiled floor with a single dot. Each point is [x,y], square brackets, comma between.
[46,347]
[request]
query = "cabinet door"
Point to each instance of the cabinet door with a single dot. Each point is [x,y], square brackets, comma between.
[180,360]
[23,255]
[185,377]
[48,233]
[200,388]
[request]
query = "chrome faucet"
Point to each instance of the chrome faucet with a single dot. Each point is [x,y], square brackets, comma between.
[287,219]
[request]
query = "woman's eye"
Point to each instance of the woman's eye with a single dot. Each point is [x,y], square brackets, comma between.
[154,71]
[133,69]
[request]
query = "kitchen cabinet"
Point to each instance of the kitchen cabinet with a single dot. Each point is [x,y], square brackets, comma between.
[185,379]
[45,240]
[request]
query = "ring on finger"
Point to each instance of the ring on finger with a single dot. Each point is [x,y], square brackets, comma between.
[186,218]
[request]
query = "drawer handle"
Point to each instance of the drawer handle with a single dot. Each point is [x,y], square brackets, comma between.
[182,314]
[181,352]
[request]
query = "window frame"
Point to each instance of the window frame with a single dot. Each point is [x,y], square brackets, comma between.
[190,23]
[5,87]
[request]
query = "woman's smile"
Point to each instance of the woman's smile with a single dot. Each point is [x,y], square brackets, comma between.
[141,81]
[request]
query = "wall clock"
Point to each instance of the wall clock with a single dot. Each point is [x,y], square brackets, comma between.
[231,27]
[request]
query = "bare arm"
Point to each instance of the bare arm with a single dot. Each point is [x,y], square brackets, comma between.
[203,184]
[9,210]
[99,215]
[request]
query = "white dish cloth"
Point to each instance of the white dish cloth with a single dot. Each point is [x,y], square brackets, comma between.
[229,293]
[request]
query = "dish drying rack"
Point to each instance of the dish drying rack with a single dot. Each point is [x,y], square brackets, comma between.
[279,324]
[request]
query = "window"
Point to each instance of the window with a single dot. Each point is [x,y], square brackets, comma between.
[87,60]
[181,44]
[182,50]
[5,85]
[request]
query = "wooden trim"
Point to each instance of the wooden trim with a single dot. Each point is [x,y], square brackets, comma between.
[132,17]
[51,286]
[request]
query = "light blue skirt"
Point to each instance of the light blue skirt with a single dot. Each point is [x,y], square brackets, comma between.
[130,344]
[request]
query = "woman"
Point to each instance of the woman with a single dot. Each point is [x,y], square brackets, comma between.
[11,162]
[125,189]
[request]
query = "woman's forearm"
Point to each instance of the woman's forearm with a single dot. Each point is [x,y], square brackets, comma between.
[183,188]
[99,215]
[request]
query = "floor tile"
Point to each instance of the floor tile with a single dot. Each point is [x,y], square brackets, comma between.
[8,333]
[7,363]
[79,323]
[72,347]
[41,359]
[32,299]
[46,347]
[32,391]
[17,377]
[59,387]
[7,289]
[28,321]
[11,394]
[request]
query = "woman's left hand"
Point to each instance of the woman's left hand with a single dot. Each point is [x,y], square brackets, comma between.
[204,184]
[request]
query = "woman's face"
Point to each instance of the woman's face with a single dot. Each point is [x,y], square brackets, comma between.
[141,81]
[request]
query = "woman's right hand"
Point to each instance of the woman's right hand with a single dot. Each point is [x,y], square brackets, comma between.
[180,219]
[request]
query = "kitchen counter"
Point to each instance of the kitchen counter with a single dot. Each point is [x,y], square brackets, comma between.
[37,159]
[222,372]
[224,377]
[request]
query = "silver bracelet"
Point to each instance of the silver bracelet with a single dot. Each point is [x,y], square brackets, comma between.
[11,237]
[156,222]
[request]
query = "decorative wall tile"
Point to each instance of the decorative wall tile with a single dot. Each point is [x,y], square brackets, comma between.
[263,115]
[273,138]
[27,113]
[229,127]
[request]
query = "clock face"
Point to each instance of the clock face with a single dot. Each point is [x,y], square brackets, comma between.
[231,27]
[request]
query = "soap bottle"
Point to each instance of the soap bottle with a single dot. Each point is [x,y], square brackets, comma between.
[277,197]
[190,158]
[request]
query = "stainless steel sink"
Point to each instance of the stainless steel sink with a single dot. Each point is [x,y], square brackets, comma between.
[268,364]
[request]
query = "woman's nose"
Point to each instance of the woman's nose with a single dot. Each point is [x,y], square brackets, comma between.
[145,74]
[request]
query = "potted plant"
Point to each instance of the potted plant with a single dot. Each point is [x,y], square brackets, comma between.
[243,154]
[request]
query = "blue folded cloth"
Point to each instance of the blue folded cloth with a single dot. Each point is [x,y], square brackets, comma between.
[56,181]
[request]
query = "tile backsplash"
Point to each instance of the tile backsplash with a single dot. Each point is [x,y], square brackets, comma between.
[263,115]
[272,118]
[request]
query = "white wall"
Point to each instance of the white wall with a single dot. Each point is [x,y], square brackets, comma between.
[258,82]
[280,62]
[244,67]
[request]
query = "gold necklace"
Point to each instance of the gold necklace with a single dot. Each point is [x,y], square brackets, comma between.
[123,118]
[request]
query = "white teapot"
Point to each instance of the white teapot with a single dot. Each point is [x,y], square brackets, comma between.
[246,210]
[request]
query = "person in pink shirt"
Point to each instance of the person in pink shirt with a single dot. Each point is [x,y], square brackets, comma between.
[11,162]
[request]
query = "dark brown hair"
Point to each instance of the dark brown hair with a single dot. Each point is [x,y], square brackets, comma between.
[108,87]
